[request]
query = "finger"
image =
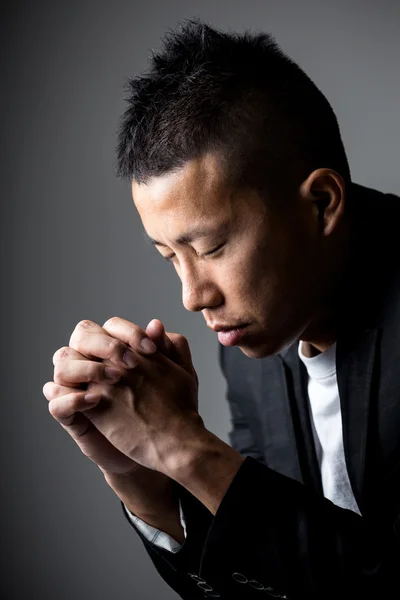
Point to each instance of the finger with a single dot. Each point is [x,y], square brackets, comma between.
[53,390]
[109,342]
[75,372]
[156,332]
[130,334]
[91,442]
[66,353]
[64,408]
[182,350]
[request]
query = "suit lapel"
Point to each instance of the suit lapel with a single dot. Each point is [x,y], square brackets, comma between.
[280,445]
[355,363]
[296,388]
[355,368]
[288,439]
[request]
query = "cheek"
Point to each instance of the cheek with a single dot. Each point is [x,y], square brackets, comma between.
[265,278]
[248,277]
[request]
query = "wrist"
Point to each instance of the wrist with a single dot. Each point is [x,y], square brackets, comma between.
[144,492]
[206,468]
[151,497]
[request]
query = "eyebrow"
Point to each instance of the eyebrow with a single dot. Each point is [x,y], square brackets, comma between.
[189,236]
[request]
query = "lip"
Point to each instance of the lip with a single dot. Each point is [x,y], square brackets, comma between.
[231,337]
[218,328]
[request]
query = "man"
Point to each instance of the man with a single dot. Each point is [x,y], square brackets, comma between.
[241,181]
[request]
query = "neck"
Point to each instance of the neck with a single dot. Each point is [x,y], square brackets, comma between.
[309,350]
[314,344]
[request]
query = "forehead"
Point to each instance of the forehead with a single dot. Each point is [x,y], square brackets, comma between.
[197,192]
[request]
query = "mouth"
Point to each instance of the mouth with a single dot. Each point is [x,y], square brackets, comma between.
[231,336]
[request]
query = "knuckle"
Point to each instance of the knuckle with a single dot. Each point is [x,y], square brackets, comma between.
[114,346]
[111,321]
[60,354]
[48,389]
[81,329]
[84,324]
[56,390]
[114,350]
[136,335]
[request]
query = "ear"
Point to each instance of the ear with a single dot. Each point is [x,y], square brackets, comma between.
[326,190]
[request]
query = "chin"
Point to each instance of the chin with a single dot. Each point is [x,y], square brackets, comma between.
[251,352]
[265,349]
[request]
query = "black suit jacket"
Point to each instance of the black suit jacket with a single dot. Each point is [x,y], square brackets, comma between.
[274,534]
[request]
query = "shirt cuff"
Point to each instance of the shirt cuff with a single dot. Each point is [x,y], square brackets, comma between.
[156,536]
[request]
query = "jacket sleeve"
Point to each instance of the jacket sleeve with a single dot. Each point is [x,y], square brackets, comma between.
[180,568]
[272,534]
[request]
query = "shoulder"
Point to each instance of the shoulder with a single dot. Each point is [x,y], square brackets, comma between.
[376,265]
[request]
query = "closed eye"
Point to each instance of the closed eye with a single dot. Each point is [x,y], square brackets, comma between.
[169,258]
[213,251]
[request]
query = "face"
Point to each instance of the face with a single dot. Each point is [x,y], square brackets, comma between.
[241,261]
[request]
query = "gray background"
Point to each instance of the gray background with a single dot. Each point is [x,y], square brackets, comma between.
[72,246]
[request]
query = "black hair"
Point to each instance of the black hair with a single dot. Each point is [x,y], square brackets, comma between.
[236,94]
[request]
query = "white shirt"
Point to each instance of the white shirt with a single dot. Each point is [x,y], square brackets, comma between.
[326,423]
[156,536]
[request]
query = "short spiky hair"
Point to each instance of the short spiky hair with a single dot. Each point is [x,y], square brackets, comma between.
[235,94]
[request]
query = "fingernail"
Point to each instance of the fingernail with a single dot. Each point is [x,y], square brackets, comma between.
[148,346]
[91,398]
[129,359]
[111,373]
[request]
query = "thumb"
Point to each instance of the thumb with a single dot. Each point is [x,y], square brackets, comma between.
[173,345]
[182,351]
[156,332]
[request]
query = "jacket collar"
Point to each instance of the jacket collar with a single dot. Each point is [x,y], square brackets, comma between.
[355,370]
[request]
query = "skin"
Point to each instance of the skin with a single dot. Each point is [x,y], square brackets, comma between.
[280,269]
[111,383]
[282,262]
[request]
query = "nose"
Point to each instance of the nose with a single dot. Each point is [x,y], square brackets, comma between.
[199,292]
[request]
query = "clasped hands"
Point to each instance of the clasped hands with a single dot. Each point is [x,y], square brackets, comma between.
[145,415]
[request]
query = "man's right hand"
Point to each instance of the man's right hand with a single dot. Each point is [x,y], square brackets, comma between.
[147,493]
